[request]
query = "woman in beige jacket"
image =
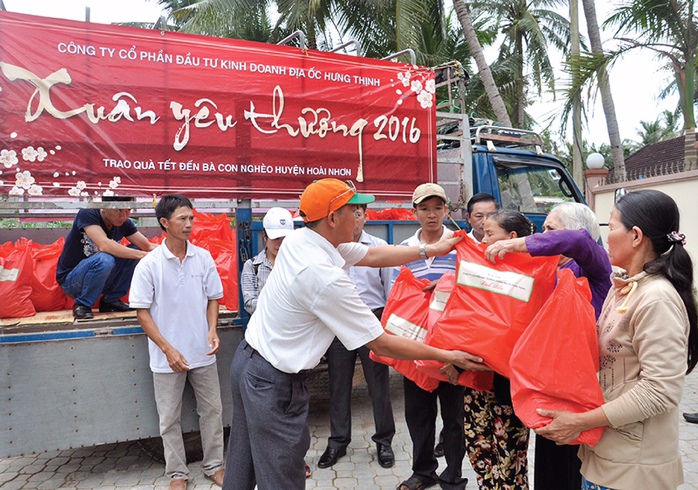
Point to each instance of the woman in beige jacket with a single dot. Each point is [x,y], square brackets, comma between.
[648,341]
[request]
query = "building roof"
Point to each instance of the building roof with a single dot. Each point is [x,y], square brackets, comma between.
[647,160]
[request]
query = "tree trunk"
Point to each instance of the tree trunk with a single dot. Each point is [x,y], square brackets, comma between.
[483,68]
[609,107]
[520,84]
[576,104]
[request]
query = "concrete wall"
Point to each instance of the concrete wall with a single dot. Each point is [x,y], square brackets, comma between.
[682,187]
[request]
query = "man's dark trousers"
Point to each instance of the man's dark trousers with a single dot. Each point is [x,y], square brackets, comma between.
[420,415]
[340,365]
[269,433]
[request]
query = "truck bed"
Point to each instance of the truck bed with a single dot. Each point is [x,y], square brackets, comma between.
[70,384]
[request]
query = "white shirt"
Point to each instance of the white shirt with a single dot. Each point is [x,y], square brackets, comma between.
[471,234]
[177,296]
[307,301]
[372,284]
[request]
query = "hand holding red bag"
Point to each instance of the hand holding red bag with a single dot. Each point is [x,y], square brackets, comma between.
[554,363]
[481,381]
[492,304]
[405,314]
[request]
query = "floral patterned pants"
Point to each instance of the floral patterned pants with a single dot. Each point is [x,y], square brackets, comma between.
[496,441]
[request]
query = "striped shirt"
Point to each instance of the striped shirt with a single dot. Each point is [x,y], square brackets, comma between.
[432,268]
[253,278]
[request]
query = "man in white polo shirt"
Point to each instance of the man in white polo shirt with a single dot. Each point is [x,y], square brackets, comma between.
[175,290]
[307,301]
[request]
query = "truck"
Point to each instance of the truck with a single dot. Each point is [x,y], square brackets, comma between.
[88,110]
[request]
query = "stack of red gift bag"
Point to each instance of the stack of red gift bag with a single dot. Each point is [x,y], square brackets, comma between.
[528,322]
[28,270]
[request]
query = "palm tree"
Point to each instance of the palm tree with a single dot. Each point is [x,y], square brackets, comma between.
[669,29]
[250,19]
[662,128]
[529,31]
[495,98]
[609,107]
[385,27]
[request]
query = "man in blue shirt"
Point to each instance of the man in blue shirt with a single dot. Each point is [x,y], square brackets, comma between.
[93,262]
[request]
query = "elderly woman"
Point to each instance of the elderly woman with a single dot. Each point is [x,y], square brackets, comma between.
[571,230]
[648,342]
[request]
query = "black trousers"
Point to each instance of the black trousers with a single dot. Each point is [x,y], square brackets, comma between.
[340,365]
[420,415]
[557,467]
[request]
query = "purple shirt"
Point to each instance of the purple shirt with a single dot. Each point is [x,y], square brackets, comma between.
[589,259]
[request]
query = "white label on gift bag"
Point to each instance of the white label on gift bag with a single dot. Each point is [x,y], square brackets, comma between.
[512,284]
[439,299]
[8,275]
[405,328]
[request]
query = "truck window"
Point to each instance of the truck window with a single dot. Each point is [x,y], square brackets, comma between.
[531,188]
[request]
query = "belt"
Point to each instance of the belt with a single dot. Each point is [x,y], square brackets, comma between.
[255,353]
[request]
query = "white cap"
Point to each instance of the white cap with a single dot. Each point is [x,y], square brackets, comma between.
[278,222]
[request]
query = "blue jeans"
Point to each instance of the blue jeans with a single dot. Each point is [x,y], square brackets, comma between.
[99,274]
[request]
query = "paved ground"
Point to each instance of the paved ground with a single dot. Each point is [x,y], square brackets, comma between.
[128,465]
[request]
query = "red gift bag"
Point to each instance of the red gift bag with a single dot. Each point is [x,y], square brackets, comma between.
[481,381]
[405,314]
[46,294]
[16,280]
[224,254]
[210,226]
[554,363]
[492,304]
[215,234]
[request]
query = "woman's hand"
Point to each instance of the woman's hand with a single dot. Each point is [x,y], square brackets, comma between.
[564,428]
[503,247]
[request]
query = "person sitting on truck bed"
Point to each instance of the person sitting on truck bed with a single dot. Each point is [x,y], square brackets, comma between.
[93,262]
[176,291]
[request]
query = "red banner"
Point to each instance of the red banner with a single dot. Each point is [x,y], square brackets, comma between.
[91,109]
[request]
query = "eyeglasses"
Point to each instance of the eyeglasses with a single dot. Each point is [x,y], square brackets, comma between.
[351,188]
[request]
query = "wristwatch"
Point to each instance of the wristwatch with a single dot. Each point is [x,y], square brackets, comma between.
[423,251]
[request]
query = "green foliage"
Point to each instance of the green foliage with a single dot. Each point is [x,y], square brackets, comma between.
[7,223]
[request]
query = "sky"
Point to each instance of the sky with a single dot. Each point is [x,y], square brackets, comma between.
[635,80]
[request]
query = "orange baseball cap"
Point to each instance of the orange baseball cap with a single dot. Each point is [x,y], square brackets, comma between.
[327,195]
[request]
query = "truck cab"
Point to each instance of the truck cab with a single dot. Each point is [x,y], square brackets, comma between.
[479,155]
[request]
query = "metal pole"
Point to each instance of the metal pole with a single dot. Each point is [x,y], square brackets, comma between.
[413,57]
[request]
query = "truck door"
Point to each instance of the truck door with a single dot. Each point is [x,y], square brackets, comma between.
[533,185]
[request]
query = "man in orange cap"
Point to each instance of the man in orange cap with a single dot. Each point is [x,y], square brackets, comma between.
[307,301]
